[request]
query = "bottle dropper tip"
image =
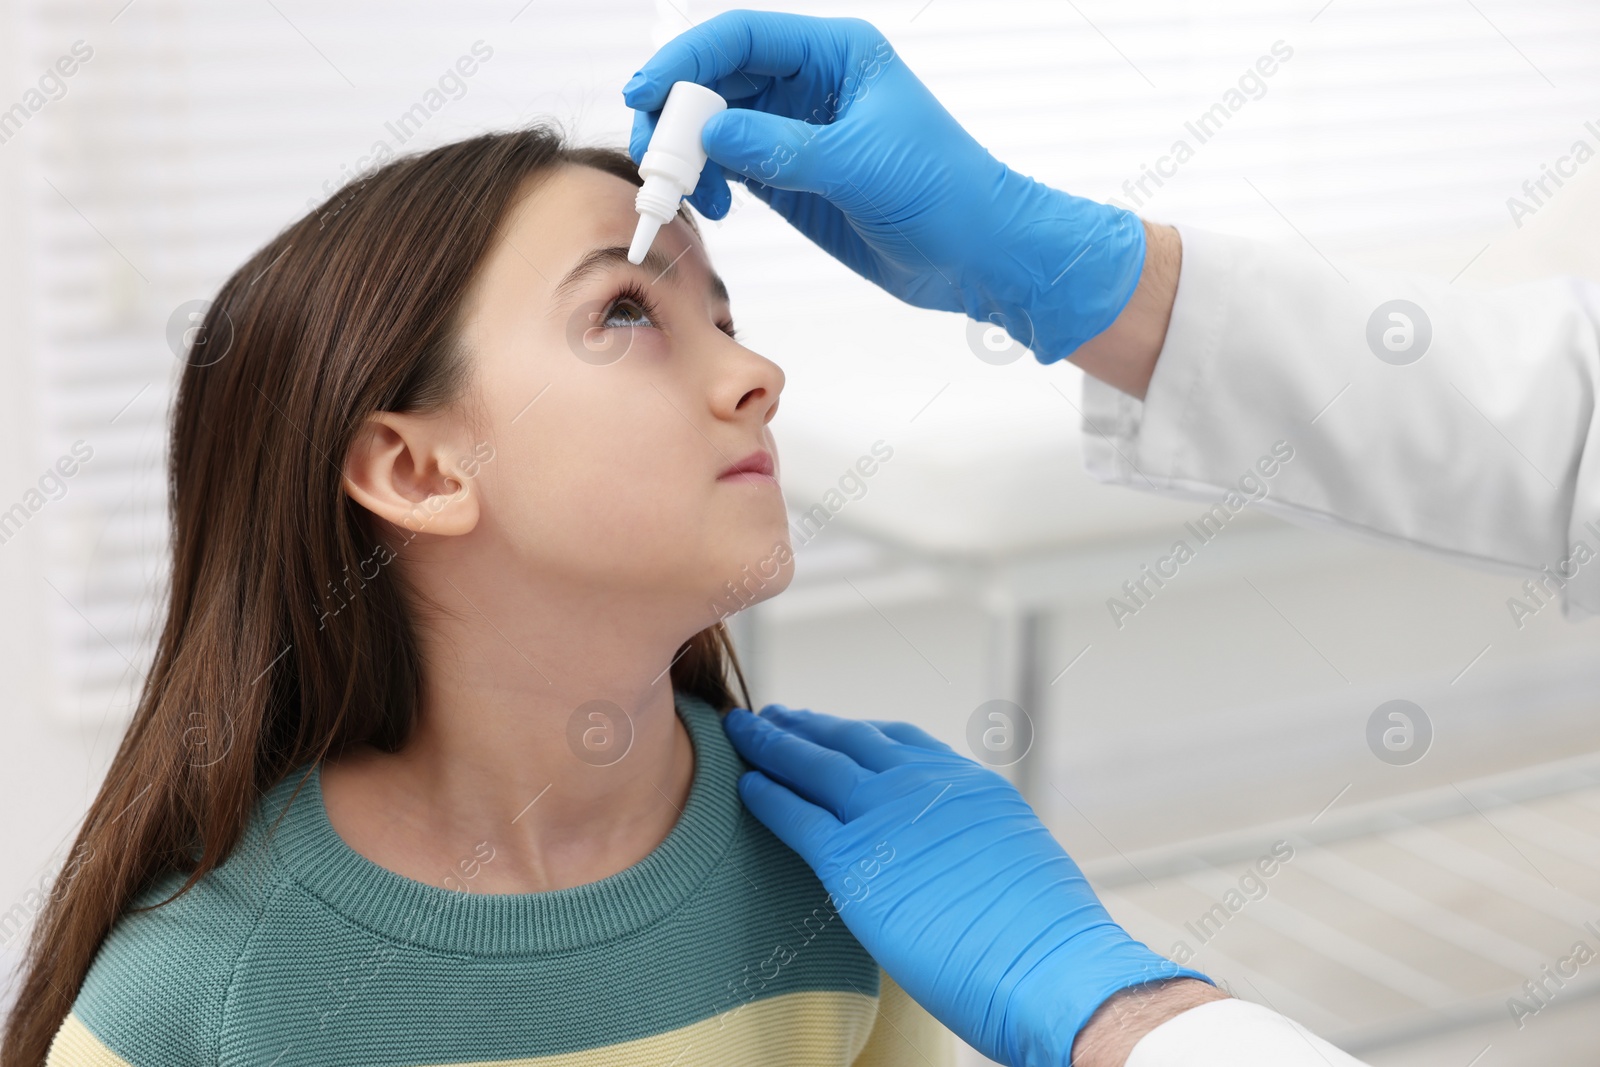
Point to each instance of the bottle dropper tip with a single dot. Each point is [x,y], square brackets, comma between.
[643,237]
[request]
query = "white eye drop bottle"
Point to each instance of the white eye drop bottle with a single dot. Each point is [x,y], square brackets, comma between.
[672,161]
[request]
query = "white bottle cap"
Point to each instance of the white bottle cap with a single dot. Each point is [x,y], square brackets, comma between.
[672,161]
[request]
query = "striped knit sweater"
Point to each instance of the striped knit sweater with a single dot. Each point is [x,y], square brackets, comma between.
[716,948]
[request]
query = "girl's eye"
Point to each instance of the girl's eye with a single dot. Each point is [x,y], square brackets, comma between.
[628,309]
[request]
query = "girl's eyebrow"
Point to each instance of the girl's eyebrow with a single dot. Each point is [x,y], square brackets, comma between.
[599,259]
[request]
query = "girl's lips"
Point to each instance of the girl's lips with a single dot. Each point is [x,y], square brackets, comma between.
[753,477]
[756,467]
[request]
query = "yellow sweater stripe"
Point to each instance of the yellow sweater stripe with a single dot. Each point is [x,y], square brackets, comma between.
[794,1030]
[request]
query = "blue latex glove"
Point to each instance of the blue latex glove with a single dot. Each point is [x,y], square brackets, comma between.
[829,126]
[945,875]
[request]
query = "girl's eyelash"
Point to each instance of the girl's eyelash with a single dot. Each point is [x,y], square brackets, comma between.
[634,293]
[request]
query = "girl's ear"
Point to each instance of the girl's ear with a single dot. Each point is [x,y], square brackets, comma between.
[411,470]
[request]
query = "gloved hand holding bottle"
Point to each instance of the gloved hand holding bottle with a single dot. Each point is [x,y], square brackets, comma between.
[946,876]
[828,125]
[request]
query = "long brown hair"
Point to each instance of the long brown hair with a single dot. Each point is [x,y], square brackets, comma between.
[350,310]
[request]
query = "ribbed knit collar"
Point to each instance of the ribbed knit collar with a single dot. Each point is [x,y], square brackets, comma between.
[500,924]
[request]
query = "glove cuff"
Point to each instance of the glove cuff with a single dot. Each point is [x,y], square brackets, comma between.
[1055,1001]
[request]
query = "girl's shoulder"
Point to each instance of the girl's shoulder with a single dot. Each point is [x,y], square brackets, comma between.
[157,989]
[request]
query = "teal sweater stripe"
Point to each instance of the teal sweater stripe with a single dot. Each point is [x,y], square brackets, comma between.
[299,950]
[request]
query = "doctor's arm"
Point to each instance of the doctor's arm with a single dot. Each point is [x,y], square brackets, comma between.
[1411,410]
[1418,412]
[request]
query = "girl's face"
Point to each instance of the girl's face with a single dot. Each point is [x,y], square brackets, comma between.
[617,403]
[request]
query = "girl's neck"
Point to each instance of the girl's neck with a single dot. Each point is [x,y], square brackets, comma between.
[523,776]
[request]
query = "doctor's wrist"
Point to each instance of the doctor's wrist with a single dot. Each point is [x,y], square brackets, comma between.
[1124,355]
[1108,1039]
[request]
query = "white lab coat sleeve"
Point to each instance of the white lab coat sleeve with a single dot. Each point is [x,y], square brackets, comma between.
[1483,450]
[1235,1033]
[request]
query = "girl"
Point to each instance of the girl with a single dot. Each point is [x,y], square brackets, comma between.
[429,765]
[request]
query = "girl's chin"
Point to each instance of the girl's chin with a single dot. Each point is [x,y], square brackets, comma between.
[762,572]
